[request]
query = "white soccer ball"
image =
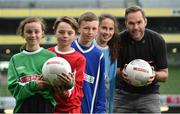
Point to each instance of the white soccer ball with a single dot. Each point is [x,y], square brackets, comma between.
[55,66]
[139,72]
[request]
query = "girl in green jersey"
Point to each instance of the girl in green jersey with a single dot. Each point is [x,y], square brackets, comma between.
[25,81]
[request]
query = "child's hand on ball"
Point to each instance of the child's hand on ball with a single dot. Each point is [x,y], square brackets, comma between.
[64,83]
[41,83]
[67,80]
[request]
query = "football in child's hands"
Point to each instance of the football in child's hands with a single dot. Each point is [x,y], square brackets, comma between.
[53,67]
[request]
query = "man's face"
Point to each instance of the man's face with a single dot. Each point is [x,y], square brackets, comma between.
[136,24]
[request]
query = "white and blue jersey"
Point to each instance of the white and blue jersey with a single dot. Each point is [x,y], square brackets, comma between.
[94,100]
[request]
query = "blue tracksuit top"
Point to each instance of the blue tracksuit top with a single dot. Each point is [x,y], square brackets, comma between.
[94,100]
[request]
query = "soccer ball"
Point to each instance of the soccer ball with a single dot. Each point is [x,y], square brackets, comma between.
[138,72]
[53,67]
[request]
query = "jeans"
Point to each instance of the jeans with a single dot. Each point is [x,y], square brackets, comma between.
[137,103]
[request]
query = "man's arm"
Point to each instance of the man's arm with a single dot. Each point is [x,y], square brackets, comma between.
[161,75]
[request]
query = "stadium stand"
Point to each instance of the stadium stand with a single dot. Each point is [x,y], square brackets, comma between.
[160,3]
[62,3]
[88,3]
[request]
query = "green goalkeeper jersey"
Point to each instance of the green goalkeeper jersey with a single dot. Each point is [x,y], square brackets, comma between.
[24,68]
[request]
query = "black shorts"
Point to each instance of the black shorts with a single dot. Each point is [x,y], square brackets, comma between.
[36,104]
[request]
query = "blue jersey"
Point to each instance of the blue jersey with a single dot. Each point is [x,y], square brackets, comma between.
[94,81]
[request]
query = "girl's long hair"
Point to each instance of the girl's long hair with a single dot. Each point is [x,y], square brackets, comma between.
[113,42]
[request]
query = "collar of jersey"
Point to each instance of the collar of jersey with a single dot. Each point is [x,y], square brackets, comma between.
[34,52]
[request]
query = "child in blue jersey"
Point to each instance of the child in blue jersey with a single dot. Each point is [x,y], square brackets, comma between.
[107,43]
[25,82]
[94,81]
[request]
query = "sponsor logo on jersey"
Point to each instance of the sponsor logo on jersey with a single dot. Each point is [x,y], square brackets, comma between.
[25,79]
[89,78]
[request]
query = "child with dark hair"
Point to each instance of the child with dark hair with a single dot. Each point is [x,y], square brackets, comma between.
[106,41]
